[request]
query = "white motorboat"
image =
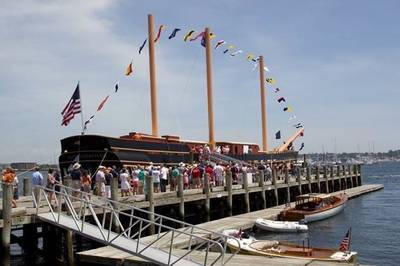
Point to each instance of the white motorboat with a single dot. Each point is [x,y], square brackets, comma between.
[280,226]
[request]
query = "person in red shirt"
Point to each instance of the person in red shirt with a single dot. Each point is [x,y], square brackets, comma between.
[196,176]
[210,172]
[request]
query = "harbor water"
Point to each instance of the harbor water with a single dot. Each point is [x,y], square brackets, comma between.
[373,218]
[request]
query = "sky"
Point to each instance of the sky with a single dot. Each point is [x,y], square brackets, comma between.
[335,62]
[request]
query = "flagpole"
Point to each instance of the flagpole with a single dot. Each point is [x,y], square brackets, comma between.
[263,108]
[80,96]
[209,90]
[153,81]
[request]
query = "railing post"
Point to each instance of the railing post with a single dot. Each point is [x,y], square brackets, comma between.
[261,184]
[326,179]
[338,175]
[318,179]
[229,190]
[27,186]
[182,199]
[308,169]
[150,199]
[299,180]
[246,191]
[6,213]
[287,185]
[206,191]
[114,197]
[274,173]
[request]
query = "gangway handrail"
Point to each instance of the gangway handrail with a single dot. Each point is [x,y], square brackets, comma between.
[110,206]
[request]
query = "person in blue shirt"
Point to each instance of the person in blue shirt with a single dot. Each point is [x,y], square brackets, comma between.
[37,180]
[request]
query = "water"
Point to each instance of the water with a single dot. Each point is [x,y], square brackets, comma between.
[373,218]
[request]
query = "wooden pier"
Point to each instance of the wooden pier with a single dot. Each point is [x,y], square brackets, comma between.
[247,200]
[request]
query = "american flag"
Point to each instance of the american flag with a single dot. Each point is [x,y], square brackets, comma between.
[344,245]
[72,108]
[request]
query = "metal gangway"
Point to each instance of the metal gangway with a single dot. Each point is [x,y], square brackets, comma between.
[225,159]
[122,226]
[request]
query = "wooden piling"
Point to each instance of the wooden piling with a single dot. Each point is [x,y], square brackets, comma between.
[299,180]
[355,175]
[27,187]
[287,185]
[206,191]
[150,199]
[338,175]
[274,173]
[228,188]
[325,169]
[261,184]
[6,215]
[344,176]
[360,175]
[70,247]
[308,169]
[246,191]
[351,177]
[182,199]
[318,179]
[115,196]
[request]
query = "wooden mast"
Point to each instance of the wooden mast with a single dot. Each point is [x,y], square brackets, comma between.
[153,82]
[263,108]
[209,90]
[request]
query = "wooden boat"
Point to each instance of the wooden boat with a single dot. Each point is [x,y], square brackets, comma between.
[314,207]
[280,226]
[251,246]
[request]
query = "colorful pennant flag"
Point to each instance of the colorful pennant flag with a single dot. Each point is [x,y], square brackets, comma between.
[142,46]
[219,43]
[292,117]
[250,57]
[212,35]
[101,105]
[116,86]
[302,146]
[159,33]
[87,122]
[188,35]
[255,66]
[299,125]
[230,47]
[278,135]
[277,90]
[287,109]
[281,99]
[266,69]
[270,80]
[203,40]
[236,53]
[174,32]
[201,34]
[129,70]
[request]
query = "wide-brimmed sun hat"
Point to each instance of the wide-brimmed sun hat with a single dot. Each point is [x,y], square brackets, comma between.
[76,166]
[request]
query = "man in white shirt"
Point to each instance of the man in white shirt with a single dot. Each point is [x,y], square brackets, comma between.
[164,178]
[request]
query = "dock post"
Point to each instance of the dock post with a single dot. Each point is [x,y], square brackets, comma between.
[318,180]
[338,175]
[332,177]
[359,173]
[261,184]
[206,191]
[229,190]
[246,191]
[308,169]
[287,185]
[6,213]
[27,187]
[114,197]
[299,180]
[275,186]
[182,199]
[355,175]
[351,177]
[150,199]
[325,169]
[70,247]
[344,176]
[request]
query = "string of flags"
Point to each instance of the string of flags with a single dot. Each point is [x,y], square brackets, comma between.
[230,50]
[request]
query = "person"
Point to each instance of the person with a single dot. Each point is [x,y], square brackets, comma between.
[15,190]
[164,178]
[108,175]
[125,186]
[219,175]
[196,176]
[50,184]
[207,152]
[174,177]
[210,174]
[76,176]
[37,180]
[57,180]
[9,176]
[86,181]
[269,173]
[141,176]
[135,180]
[235,173]
[155,173]
[100,182]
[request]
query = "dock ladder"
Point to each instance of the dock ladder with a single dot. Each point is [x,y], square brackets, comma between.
[122,226]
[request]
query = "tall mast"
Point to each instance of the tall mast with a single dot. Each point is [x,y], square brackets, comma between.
[153,82]
[209,90]
[263,111]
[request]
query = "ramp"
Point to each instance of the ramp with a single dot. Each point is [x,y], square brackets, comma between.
[107,228]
